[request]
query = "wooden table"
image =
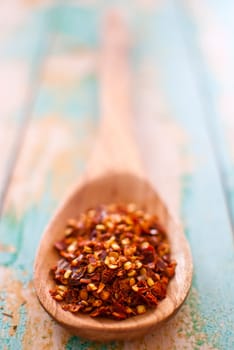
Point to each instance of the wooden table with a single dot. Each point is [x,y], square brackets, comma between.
[184,116]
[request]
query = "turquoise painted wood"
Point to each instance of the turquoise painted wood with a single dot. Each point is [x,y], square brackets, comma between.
[211,49]
[23,45]
[176,112]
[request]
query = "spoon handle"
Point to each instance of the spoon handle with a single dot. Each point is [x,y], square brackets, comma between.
[116,148]
[115,75]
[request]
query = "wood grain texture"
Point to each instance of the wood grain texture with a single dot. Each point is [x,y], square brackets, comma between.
[60,137]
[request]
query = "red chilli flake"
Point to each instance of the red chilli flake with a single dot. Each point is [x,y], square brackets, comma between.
[115,262]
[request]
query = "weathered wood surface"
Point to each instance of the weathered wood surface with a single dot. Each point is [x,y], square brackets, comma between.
[49,113]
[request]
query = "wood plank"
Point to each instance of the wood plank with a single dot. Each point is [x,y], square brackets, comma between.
[211,51]
[56,147]
[22,41]
[23,44]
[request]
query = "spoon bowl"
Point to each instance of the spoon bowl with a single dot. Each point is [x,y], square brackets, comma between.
[114,175]
[117,188]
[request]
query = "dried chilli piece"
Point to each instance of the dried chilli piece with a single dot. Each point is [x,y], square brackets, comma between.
[114,262]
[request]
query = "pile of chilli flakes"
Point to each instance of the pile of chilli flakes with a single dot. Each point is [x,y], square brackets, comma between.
[115,262]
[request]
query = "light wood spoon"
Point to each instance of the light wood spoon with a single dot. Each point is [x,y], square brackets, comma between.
[114,174]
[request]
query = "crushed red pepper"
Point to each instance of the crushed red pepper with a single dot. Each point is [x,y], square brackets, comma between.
[115,262]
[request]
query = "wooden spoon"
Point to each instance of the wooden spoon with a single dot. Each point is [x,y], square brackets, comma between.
[114,174]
